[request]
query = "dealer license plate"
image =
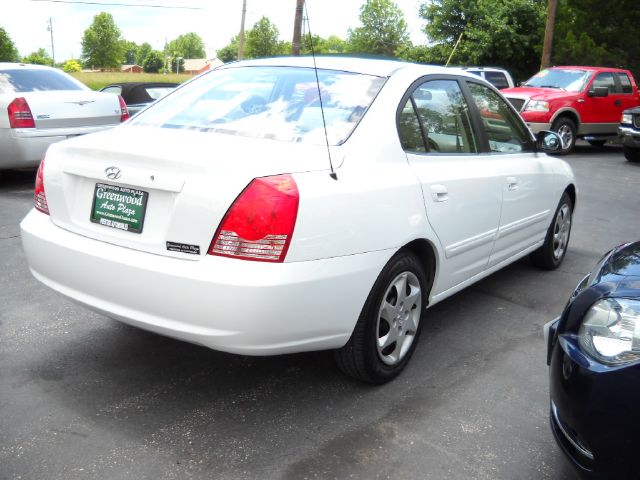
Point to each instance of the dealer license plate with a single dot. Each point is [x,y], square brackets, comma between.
[119,207]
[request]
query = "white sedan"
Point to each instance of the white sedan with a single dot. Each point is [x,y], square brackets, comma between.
[41,105]
[273,206]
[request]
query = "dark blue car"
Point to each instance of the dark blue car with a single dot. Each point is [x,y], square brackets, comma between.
[593,353]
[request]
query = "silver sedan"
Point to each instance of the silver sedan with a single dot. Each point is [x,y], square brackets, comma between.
[42,105]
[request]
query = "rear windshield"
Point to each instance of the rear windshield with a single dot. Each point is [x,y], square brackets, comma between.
[497,79]
[280,103]
[32,80]
[569,80]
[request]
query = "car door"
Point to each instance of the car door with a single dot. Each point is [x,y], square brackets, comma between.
[629,99]
[602,114]
[462,189]
[527,181]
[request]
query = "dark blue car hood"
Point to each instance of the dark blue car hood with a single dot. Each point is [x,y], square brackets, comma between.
[619,271]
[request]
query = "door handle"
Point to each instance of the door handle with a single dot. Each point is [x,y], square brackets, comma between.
[617,103]
[512,183]
[439,193]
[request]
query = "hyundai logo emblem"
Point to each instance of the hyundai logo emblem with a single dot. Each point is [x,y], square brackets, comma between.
[113,173]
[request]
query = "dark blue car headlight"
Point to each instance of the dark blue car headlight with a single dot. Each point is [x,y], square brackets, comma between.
[610,331]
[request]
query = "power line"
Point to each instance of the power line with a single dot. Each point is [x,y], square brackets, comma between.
[82,2]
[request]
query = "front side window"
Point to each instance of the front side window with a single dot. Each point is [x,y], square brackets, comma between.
[279,103]
[505,132]
[605,79]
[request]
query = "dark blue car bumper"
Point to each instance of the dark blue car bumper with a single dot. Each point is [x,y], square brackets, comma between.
[595,410]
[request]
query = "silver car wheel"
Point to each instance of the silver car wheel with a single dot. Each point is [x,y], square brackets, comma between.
[398,318]
[566,133]
[561,230]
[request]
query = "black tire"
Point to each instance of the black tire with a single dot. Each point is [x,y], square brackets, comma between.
[552,252]
[631,154]
[363,357]
[597,143]
[566,128]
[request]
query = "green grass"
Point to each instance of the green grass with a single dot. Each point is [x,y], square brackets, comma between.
[97,80]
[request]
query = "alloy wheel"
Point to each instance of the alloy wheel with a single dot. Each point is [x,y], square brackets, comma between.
[398,318]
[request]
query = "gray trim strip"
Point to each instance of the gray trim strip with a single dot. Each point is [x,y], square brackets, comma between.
[569,438]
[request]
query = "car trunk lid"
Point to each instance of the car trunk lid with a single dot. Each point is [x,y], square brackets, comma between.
[179,183]
[78,108]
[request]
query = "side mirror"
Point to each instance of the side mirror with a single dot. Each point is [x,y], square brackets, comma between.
[598,92]
[549,142]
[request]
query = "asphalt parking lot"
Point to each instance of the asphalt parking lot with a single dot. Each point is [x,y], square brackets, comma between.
[82,396]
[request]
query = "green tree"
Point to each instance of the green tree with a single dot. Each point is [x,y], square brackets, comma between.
[71,66]
[229,53]
[383,29]
[154,62]
[262,40]
[586,38]
[8,51]
[177,62]
[101,43]
[129,52]
[505,33]
[39,57]
[322,46]
[189,45]
[334,44]
[143,51]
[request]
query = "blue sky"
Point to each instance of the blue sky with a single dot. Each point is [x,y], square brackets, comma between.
[216,21]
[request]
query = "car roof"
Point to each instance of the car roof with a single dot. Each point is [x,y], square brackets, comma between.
[146,84]
[591,69]
[485,69]
[381,67]
[12,66]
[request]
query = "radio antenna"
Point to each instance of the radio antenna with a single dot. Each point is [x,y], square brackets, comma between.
[333,173]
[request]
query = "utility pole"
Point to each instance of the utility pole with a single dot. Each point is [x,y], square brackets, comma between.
[548,34]
[53,53]
[297,28]
[241,37]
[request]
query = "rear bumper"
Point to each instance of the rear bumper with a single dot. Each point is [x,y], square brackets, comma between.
[25,147]
[236,306]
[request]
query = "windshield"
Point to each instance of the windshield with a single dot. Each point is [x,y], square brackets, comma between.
[279,103]
[36,80]
[569,80]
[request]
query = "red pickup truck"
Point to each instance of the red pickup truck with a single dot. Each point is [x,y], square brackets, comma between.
[576,102]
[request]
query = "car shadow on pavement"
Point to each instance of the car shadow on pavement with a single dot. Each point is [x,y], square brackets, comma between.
[238,413]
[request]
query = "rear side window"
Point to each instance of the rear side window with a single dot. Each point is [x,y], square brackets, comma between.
[625,82]
[497,79]
[279,103]
[157,92]
[410,130]
[437,113]
[32,80]
[116,90]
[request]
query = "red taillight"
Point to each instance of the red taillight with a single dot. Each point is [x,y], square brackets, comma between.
[259,225]
[40,197]
[124,111]
[20,114]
